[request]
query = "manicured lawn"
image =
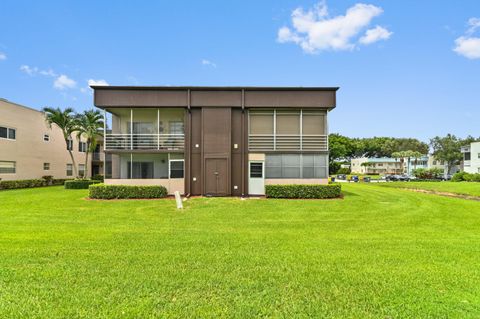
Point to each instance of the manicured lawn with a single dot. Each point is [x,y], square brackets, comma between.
[464,188]
[378,253]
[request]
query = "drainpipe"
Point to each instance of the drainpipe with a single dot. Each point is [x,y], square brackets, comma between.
[189,145]
[243,143]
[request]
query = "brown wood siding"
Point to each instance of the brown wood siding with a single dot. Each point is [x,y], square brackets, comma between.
[303,99]
[216,98]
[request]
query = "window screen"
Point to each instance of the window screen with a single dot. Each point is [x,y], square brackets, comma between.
[7,167]
[288,122]
[313,123]
[69,169]
[176,169]
[261,122]
[256,170]
[296,166]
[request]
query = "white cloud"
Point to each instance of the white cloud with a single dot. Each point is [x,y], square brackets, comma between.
[97,82]
[376,34]
[29,70]
[63,82]
[469,45]
[209,63]
[3,56]
[315,31]
[33,70]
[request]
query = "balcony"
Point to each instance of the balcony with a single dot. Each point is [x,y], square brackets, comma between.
[286,142]
[169,142]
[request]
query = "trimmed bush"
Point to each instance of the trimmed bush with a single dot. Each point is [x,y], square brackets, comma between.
[97,177]
[465,177]
[79,184]
[30,183]
[102,191]
[303,191]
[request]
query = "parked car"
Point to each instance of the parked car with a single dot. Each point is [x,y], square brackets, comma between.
[398,178]
[342,176]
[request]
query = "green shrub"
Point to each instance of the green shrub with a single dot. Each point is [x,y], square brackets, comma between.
[98,177]
[465,177]
[343,170]
[79,183]
[430,173]
[102,191]
[303,191]
[30,183]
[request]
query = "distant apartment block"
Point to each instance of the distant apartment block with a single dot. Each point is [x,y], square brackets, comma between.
[471,158]
[30,149]
[216,141]
[381,166]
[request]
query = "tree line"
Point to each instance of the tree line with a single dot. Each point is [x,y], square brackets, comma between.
[88,125]
[446,148]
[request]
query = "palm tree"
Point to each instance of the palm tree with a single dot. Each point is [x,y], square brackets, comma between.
[89,125]
[416,155]
[65,121]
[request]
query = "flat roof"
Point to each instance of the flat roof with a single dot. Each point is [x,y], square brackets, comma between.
[217,88]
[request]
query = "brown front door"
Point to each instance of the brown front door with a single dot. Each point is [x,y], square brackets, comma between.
[216,176]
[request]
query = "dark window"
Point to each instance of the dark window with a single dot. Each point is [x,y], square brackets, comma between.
[82,147]
[143,170]
[81,170]
[70,145]
[7,167]
[46,137]
[176,169]
[46,166]
[256,170]
[12,133]
[466,156]
[69,169]
[6,132]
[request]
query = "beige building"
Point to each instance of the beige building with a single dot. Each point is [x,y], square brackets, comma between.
[381,166]
[30,149]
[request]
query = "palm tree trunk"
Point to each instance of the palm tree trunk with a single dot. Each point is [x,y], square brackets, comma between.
[86,164]
[75,172]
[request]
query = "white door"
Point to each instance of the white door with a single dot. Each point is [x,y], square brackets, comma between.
[256,178]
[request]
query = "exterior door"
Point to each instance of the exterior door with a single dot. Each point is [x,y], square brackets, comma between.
[216,176]
[256,178]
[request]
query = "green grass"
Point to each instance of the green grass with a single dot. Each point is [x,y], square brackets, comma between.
[378,253]
[463,188]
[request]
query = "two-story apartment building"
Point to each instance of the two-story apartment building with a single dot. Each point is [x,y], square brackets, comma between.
[30,149]
[216,141]
[471,158]
[373,165]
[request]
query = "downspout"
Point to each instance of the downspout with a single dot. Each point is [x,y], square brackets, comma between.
[243,143]
[189,145]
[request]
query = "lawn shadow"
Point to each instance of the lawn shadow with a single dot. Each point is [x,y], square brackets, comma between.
[348,194]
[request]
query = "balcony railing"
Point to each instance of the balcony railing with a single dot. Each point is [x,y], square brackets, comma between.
[285,142]
[144,141]
[96,156]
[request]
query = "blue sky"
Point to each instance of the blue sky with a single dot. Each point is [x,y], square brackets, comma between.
[404,79]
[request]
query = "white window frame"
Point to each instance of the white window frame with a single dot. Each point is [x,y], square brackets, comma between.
[170,167]
[82,149]
[46,166]
[71,170]
[14,167]
[79,170]
[8,133]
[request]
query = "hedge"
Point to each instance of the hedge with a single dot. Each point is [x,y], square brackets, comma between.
[102,191]
[30,183]
[303,191]
[79,183]
[466,177]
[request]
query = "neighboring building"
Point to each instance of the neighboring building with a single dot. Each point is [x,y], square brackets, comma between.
[30,149]
[471,158]
[216,141]
[434,163]
[381,166]
[414,163]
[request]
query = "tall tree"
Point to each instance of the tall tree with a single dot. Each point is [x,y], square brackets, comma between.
[65,121]
[447,149]
[88,126]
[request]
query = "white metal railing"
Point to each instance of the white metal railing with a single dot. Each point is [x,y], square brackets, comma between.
[285,142]
[144,141]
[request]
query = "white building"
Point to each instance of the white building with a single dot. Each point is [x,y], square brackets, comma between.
[471,158]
